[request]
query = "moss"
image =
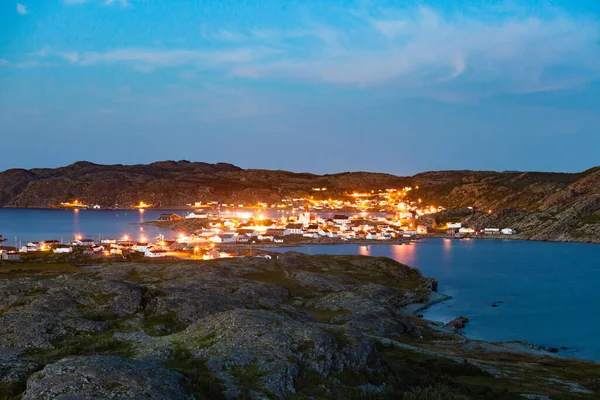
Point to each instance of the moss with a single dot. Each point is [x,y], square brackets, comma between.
[89,344]
[199,380]
[162,324]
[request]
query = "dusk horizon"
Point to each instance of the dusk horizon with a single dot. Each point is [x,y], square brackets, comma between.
[301,171]
[299,199]
[351,85]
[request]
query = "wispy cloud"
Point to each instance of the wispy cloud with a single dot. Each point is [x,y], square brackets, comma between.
[22,9]
[424,48]
[418,51]
[150,59]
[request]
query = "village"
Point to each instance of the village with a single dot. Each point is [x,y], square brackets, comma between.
[216,230]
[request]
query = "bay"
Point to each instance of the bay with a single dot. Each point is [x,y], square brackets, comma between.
[546,293]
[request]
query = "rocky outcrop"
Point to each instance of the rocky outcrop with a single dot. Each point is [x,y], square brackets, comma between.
[457,324]
[295,326]
[105,377]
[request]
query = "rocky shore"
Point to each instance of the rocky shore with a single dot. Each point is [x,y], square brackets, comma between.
[296,326]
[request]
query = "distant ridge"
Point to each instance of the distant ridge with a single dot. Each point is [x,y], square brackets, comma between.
[542,205]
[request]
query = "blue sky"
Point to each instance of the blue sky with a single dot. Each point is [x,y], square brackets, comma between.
[392,86]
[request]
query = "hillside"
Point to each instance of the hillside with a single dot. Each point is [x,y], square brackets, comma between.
[542,206]
[171,183]
[292,327]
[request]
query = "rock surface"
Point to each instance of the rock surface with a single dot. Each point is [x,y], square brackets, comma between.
[104,377]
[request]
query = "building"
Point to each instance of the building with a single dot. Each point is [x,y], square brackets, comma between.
[293,229]
[508,231]
[155,253]
[168,217]
[223,238]
[491,231]
[341,219]
[422,230]
[62,249]
[456,225]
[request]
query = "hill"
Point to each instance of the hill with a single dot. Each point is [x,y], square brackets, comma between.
[541,205]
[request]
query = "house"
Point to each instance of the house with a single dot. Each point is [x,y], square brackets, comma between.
[491,231]
[62,249]
[465,230]
[312,235]
[84,242]
[223,238]
[168,217]
[266,256]
[49,244]
[266,237]
[341,219]
[456,225]
[278,239]
[108,241]
[97,249]
[274,232]
[293,229]
[11,256]
[312,228]
[422,230]
[508,231]
[333,234]
[141,247]
[243,238]
[371,236]
[155,253]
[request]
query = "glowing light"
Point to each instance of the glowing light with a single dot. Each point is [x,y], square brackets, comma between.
[126,238]
[78,237]
[143,239]
[490,211]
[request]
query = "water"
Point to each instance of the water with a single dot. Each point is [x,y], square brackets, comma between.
[549,291]
[37,225]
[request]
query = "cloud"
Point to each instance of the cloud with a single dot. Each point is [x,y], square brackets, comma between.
[149,59]
[422,49]
[414,51]
[21,9]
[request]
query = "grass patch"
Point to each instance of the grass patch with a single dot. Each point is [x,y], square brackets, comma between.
[97,343]
[199,380]
[162,324]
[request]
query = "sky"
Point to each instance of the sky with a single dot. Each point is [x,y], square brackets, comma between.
[303,85]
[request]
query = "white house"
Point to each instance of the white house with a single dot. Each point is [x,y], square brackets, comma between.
[62,249]
[371,236]
[341,219]
[508,231]
[293,229]
[491,231]
[223,238]
[465,230]
[422,230]
[155,253]
[141,247]
[456,225]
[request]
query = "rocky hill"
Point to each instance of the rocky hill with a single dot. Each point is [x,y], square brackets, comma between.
[171,183]
[541,206]
[294,327]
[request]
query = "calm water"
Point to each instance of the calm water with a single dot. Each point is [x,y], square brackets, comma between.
[549,291]
[37,225]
